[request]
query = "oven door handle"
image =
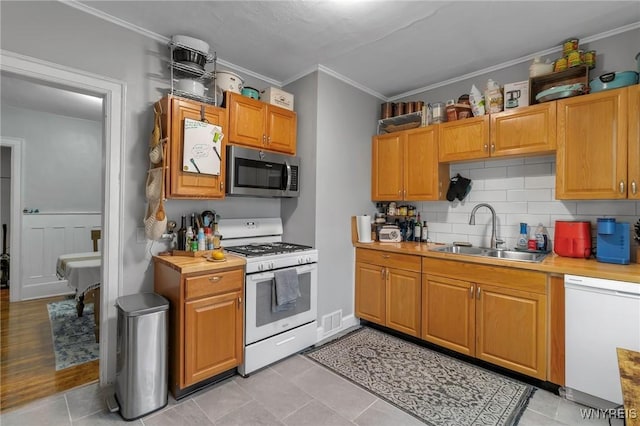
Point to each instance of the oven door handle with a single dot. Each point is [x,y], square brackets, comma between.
[287,176]
[303,269]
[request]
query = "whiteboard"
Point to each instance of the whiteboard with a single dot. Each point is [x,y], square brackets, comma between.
[202,147]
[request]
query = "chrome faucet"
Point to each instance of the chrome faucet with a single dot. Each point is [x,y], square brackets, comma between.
[472,221]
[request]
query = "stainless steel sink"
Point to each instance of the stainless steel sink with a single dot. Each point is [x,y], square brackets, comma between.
[521,256]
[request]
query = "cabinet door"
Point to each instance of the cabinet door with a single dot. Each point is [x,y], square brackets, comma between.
[511,329]
[185,184]
[633,172]
[213,336]
[386,167]
[403,301]
[591,162]
[370,292]
[448,313]
[466,139]
[281,130]
[424,178]
[530,130]
[247,121]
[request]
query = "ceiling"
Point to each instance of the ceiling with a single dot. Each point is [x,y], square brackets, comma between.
[387,48]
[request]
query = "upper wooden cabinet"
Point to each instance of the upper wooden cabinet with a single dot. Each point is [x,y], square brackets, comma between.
[256,124]
[178,183]
[520,131]
[466,139]
[404,166]
[517,132]
[633,149]
[597,154]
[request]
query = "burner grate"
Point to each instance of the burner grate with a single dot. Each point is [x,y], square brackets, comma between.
[264,249]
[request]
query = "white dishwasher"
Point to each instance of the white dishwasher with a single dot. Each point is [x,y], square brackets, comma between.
[600,315]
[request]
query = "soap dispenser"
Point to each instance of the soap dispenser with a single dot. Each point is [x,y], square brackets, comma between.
[523,238]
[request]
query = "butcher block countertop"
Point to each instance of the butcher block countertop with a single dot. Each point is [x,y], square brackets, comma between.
[629,364]
[551,264]
[191,264]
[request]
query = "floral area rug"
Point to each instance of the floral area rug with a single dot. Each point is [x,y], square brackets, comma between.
[74,341]
[435,388]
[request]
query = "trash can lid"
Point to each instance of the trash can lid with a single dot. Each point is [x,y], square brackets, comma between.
[142,303]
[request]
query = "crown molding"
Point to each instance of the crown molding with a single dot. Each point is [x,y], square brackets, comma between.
[162,39]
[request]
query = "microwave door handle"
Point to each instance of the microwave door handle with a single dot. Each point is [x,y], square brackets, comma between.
[287,176]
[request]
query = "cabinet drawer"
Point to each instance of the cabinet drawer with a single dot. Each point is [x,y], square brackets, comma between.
[386,258]
[219,282]
[514,278]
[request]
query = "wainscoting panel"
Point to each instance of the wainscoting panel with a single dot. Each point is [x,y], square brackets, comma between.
[45,237]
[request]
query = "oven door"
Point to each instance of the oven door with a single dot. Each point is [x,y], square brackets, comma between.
[261,322]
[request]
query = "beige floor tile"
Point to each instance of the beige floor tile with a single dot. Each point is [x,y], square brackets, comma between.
[344,397]
[316,413]
[105,418]
[52,412]
[381,413]
[253,414]
[277,394]
[219,401]
[186,413]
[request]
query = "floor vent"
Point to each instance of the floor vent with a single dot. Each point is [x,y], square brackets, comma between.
[332,322]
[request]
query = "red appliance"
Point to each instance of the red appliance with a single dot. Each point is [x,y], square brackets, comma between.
[572,239]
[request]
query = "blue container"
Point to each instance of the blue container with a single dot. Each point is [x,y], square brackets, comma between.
[606,226]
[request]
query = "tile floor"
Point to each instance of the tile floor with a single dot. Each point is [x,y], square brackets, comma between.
[295,391]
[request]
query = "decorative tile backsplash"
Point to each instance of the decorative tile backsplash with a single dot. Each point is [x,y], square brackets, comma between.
[520,190]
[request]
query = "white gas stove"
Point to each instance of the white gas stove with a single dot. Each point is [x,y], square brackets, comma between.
[272,334]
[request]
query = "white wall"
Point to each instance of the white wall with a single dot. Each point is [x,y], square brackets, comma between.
[345,127]
[62,160]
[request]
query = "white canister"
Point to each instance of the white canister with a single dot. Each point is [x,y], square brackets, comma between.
[228,81]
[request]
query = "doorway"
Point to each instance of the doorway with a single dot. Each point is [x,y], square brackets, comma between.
[112,93]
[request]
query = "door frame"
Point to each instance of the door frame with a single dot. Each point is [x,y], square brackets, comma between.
[113,93]
[16,146]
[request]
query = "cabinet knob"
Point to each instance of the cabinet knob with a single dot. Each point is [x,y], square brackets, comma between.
[622,187]
[478,293]
[493,147]
[214,279]
[264,138]
[221,185]
[486,147]
[634,187]
[471,292]
[268,140]
[239,302]
[385,256]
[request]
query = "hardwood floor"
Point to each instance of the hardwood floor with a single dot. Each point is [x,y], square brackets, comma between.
[27,362]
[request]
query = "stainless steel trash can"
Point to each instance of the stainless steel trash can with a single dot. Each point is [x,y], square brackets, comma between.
[141,354]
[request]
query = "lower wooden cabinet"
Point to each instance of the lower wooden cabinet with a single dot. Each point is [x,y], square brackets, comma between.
[206,321]
[495,314]
[212,327]
[388,290]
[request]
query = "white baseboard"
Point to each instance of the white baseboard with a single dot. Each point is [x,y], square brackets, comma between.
[348,321]
[39,291]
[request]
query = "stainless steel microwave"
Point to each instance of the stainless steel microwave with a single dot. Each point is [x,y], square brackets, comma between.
[257,173]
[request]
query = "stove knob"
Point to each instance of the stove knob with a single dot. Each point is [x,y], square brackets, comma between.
[300,260]
[260,267]
[271,265]
[308,259]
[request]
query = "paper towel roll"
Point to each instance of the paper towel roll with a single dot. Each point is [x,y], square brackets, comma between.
[363,224]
